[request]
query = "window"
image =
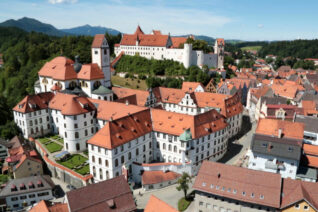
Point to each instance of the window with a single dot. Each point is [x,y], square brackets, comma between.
[75,126]
[93,159]
[116,162]
[243,193]
[43,194]
[65,134]
[76,135]
[14,198]
[31,195]
[86,133]
[99,161]
[75,117]
[261,196]
[164,146]
[23,197]
[306,207]
[137,151]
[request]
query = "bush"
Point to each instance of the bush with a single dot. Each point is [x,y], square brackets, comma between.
[183,204]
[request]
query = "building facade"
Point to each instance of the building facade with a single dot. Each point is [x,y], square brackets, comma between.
[159,47]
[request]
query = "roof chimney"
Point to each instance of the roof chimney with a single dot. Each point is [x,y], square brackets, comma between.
[127,102]
[280,133]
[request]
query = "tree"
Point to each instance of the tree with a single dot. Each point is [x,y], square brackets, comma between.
[183,183]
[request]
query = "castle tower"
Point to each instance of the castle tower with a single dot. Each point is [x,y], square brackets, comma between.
[187,49]
[219,50]
[101,56]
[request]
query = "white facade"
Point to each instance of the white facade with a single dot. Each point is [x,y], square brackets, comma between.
[108,163]
[287,168]
[33,124]
[187,56]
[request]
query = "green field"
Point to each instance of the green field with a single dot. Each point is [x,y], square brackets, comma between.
[129,83]
[84,170]
[74,161]
[53,147]
[252,48]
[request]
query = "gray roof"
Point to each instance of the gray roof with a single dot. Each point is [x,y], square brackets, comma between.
[311,123]
[5,143]
[102,90]
[278,147]
[309,97]
[276,100]
[35,180]
[306,172]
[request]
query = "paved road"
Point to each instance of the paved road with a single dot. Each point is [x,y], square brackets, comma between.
[168,194]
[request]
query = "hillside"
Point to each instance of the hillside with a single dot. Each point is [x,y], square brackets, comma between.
[90,30]
[30,24]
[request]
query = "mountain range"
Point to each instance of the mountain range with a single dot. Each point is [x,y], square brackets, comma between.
[30,24]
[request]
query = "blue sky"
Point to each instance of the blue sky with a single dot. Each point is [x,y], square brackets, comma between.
[231,19]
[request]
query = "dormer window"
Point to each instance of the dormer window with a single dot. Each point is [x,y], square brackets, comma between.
[203,184]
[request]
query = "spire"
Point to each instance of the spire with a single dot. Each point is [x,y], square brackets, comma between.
[138,30]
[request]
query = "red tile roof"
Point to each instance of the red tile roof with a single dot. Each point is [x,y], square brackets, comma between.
[154,177]
[297,190]
[310,149]
[90,72]
[109,195]
[289,129]
[156,205]
[34,102]
[98,40]
[176,123]
[123,130]
[43,206]
[71,104]
[144,39]
[238,183]
[59,68]
[312,161]
[107,110]
[177,41]
[190,86]
[141,96]
[25,158]
[220,41]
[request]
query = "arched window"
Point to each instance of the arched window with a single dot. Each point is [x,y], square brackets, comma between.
[76,134]
[32,131]
[72,84]
[122,159]
[96,84]
[107,175]
[48,126]
[164,146]
[99,161]
[36,129]
[44,81]
[169,147]
[35,121]
[59,84]
[137,151]
[129,155]
[93,159]
[77,146]
[106,163]
[100,174]
[116,162]
[66,146]
[94,171]
[175,149]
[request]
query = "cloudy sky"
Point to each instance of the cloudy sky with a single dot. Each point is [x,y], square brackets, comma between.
[231,19]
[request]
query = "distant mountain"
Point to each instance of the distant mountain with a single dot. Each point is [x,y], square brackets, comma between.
[90,30]
[30,24]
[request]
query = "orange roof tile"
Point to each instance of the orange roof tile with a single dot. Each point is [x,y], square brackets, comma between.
[297,190]
[141,96]
[309,107]
[177,41]
[310,149]
[154,177]
[98,40]
[176,123]
[220,41]
[90,72]
[156,205]
[289,129]
[123,130]
[40,207]
[59,68]
[71,104]
[34,102]
[107,110]
[286,91]
[312,161]
[190,86]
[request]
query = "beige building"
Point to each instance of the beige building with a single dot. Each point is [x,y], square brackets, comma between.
[225,188]
[27,166]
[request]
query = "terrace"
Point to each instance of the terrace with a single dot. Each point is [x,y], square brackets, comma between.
[76,162]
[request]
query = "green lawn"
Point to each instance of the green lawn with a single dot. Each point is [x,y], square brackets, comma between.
[84,170]
[129,83]
[73,161]
[43,140]
[53,147]
[252,48]
[3,178]
[86,152]
[183,204]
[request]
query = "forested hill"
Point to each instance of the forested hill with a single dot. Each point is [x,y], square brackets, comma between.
[24,54]
[298,48]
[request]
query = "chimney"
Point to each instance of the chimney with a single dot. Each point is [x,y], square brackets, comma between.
[280,133]
[127,102]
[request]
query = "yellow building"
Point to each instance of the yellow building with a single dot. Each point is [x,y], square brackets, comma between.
[300,206]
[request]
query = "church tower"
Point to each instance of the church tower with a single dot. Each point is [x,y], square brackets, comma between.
[219,51]
[101,56]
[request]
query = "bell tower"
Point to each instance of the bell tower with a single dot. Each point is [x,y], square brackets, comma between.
[101,56]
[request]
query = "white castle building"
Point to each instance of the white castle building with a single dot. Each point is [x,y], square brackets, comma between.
[159,46]
[192,125]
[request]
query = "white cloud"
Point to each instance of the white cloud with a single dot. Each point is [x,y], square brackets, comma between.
[260,25]
[62,1]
